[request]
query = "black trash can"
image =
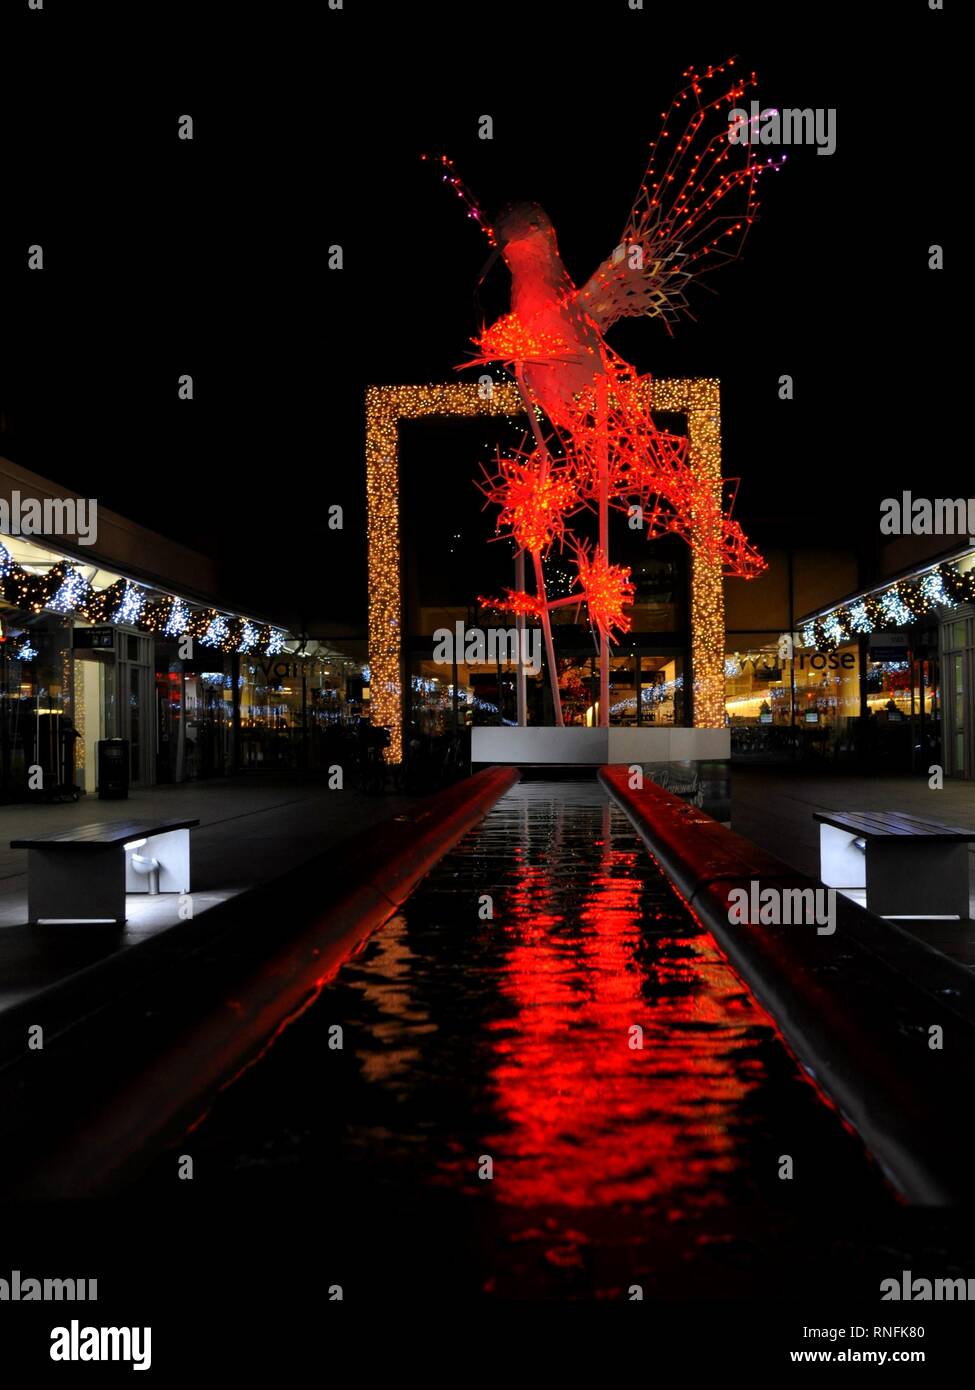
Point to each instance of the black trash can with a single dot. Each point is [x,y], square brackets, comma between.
[54,742]
[113,769]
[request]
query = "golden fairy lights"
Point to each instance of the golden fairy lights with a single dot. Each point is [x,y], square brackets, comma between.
[386,406]
[697,399]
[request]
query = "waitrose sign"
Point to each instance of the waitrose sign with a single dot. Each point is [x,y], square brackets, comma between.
[768,665]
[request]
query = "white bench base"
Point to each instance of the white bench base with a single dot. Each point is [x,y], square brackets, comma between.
[72,887]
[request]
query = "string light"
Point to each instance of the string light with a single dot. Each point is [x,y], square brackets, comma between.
[177,620]
[217,632]
[834,629]
[603,448]
[859,620]
[901,603]
[249,637]
[607,589]
[130,606]
[386,406]
[72,593]
[696,399]
[893,607]
[63,588]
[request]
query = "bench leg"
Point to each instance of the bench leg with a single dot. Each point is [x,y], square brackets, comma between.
[67,886]
[911,878]
[172,849]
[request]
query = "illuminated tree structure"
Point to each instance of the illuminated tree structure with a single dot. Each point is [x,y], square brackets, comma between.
[594,446]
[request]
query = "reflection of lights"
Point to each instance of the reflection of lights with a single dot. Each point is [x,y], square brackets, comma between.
[650,695]
[424,686]
[488,708]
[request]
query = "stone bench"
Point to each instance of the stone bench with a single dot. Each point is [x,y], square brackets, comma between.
[83,874]
[909,866]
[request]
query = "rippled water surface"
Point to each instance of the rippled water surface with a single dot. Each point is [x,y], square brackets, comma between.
[550,1081]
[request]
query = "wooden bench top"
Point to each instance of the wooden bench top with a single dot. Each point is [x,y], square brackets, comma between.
[892,825]
[101,834]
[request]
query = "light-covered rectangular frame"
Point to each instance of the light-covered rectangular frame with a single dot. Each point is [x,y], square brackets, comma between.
[698,399]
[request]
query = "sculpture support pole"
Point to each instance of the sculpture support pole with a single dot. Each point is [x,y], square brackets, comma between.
[602,428]
[549,644]
[521,685]
[553,674]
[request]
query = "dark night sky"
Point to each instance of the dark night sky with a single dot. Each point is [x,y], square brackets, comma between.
[164,257]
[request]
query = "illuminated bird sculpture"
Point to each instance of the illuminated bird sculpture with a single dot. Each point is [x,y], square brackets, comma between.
[594,443]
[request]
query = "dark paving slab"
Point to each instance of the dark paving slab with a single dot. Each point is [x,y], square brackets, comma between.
[252,831]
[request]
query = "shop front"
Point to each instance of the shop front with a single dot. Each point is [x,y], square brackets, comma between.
[646,667]
[87,654]
[883,680]
[815,705]
[297,707]
[958,658]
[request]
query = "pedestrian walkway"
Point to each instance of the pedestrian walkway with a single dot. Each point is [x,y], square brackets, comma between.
[252,830]
[774,808]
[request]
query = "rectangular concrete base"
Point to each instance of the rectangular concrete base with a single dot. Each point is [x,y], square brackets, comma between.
[596,747]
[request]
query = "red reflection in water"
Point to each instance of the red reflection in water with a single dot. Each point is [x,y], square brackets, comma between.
[587,1117]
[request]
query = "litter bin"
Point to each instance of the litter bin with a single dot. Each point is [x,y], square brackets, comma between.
[54,743]
[113,769]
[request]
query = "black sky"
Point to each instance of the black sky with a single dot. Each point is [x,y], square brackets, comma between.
[165,257]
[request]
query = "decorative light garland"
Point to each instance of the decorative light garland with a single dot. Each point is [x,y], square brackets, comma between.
[900,604]
[216,633]
[130,606]
[73,591]
[62,588]
[178,619]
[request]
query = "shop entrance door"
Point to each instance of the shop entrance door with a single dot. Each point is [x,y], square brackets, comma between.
[136,706]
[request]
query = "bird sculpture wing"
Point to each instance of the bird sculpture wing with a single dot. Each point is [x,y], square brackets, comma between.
[696,202]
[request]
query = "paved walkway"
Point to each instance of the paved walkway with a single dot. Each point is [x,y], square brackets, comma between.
[773,806]
[252,830]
